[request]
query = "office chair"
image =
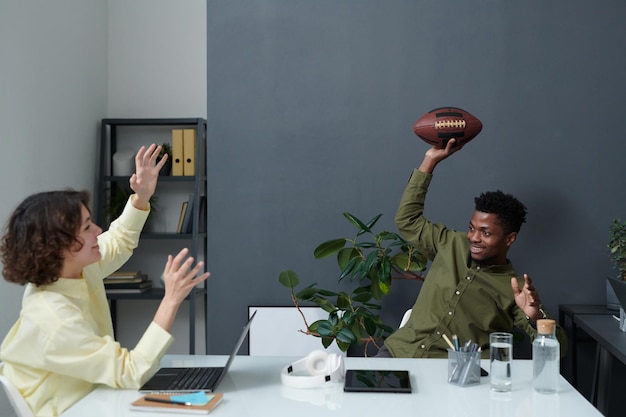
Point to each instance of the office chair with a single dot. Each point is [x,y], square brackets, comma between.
[405,318]
[15,398]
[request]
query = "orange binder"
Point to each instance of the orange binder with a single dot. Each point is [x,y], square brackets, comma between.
[189,151]
[177,152]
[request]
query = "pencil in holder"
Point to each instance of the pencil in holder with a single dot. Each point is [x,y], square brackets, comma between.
[463,368]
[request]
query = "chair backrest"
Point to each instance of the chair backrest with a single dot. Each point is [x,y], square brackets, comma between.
[275,331]
[405,318]
[15,398]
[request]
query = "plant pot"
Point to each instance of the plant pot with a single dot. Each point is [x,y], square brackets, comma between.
[167,168]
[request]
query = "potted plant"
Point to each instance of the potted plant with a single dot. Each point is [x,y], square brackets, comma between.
[166,148]
[617,247]
[370,261]
[118,196]
[617,252]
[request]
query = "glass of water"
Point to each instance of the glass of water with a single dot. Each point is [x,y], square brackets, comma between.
[500,359]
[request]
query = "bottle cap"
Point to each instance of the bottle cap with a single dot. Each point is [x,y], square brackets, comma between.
[546,326]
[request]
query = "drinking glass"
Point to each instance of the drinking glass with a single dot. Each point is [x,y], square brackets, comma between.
[500,359]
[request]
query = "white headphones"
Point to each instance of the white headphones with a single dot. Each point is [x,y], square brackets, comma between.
[320,366]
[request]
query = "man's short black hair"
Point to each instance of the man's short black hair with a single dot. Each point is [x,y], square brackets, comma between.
[510,211]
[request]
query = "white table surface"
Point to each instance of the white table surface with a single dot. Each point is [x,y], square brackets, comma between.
[253,388]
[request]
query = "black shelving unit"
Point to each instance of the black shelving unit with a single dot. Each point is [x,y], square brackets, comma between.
[197,238]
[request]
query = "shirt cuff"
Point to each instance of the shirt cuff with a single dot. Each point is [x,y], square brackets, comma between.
[154,343]
[132,216]
[418,176]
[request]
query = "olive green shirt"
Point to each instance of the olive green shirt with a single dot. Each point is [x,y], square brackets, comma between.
[459,296]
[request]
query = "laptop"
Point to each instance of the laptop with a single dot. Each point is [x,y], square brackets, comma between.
[196,378]
[619,287]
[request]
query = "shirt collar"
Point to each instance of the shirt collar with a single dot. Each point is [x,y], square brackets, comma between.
[508,266]
[70,287]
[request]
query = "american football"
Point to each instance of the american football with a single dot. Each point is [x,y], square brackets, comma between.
[440,125]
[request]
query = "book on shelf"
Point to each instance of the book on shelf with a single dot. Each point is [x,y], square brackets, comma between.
[128,285]
[128,290]
[136,284]
[181,218]
[108,280]
[125,275]
[188,217]
[162,403]
[120,291]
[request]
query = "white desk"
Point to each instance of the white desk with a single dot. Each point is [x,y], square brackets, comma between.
[253,388]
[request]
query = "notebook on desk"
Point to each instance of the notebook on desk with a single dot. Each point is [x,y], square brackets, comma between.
[619,287]
[196,378]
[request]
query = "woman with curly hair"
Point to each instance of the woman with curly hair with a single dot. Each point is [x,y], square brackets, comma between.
[62,343]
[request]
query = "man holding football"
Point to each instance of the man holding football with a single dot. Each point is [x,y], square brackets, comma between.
[471,289]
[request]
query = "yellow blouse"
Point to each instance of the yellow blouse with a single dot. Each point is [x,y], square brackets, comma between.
[62,344]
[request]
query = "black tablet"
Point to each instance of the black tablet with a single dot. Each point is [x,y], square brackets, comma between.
[371,380]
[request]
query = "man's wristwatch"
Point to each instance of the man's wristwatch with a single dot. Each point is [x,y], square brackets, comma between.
[533,323]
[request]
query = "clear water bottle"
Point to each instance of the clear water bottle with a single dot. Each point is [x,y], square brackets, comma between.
[546,358]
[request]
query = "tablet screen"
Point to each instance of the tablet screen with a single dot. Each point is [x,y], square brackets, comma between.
[371,380]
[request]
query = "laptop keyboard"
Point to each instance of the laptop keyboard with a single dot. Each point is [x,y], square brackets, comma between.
[194,378]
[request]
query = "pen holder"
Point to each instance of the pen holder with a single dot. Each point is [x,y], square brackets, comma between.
[463,368]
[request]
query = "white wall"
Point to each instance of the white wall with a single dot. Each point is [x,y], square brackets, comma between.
[157,58]
[156,68]
[64,65]
[53,82]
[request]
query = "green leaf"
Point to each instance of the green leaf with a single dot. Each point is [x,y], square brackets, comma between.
[343,346]
[329,247]
[327,341]
[357,330]
[343,301]
[370,260]
[365,245]
[324,328]
[347,256]
[349,268]
[384,288]
[377,292]
[372,222]
[307,293]
[362,297]
[401,260]
[325,304]
[357,223]
[384,271]
[313,326]
[348,317]
[345,335]
[359,270]
[370,326]
[289,278]
[333,319]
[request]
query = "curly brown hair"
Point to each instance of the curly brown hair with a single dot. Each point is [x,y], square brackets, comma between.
[38,233]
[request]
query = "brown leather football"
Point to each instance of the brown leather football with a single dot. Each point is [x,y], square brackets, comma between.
[440,125]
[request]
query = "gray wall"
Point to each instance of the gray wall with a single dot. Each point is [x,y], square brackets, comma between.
[311,107]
